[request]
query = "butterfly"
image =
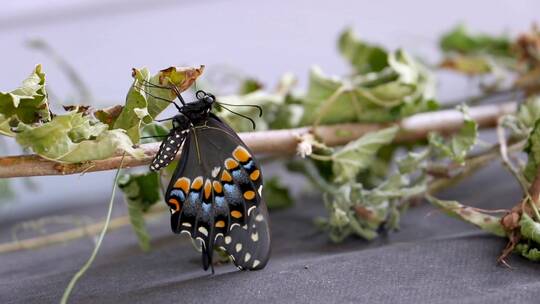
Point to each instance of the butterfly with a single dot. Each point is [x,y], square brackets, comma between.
[215,193]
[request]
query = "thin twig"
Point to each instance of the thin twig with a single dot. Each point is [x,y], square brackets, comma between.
[92,257]
[274,142]
[473,164]
[503,148]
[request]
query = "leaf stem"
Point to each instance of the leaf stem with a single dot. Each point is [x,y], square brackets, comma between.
[503,148]
[88,263]
[321,157]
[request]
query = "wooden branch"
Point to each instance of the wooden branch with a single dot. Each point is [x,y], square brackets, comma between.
[274,142]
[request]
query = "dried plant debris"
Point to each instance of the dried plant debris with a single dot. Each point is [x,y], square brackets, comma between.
[27,104]
[520,224]
[79,135]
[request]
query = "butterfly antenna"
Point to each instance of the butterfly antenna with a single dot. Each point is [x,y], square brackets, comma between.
[174,88]
[159,98]
[244,105]
[155,136]
[166,119]
[241,115]
[177,92]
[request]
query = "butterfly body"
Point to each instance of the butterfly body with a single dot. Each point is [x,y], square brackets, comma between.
[215,193]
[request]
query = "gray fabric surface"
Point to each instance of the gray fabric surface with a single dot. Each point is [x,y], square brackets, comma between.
[433,259]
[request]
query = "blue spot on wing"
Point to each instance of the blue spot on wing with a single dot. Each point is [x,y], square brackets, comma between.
[249,166]
[179,194]
[232,194]
[191,203]
[206,208]
[240,177]
[220,201]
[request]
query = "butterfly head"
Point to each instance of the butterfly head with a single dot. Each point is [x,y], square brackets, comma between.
[205,98]
[198,110]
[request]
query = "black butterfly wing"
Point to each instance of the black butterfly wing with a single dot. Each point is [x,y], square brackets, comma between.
[217,188]
[168,149]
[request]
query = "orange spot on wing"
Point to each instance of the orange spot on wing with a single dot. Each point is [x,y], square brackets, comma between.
[217,187]
[220,224]
[255,175]
[175,204]
[197,183]
[249,195]
[241,154]
[226,177]
[230,164]
[236,214]
[207,189]
[182,183]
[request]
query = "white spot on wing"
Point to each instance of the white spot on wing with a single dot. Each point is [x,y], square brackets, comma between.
[203,231]
[255,236]
[247,257]
[256,263]
[215,171]
[259,218]
[260,190]
[251,209]
[238,247]
[186,224]
[228,240]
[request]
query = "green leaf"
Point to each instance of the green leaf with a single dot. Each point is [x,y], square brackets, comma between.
[147,96]
[130,118]
[528,252]
[460,40]
[74,138]
[405,87]
[109,115]
[249,85]
[28,103]
[459,144]
[468,64]
[529,111]
[488,223]
[279,111]
[357,155]
[276,195]
[363,57]
[155,132]
[529,228]
[412,161]
[141,191]
[533,152]
[5,126]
